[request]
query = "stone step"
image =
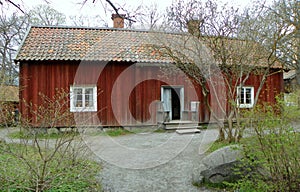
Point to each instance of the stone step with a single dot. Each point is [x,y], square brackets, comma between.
[180,124]
[173,127]
[187,131]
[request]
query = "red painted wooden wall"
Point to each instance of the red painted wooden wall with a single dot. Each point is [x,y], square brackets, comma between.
[125,90]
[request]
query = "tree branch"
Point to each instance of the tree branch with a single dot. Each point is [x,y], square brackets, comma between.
[15,5]
[117,11]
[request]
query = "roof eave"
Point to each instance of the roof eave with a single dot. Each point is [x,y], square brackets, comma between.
[21,45]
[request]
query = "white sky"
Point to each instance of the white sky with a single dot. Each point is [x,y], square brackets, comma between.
[74,7]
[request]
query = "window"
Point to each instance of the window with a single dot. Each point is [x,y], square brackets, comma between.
[83,98]
[245,97]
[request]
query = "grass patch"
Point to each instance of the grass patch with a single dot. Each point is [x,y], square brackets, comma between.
[212,186]
[28,135]
[160,130]
[203,126]
[117,132]
[121,131]
[63,173]
[218,145]
[244,141]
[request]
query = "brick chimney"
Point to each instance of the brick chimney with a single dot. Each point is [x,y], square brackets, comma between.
[118,20]
[193,26]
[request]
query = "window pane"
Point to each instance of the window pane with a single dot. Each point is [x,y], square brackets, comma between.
[248,96]
[78,101]
[77,97]
[89,97]
[89,100]
[242,96]
[77,91]
[89,91]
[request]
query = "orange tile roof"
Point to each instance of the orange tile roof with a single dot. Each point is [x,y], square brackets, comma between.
[110,44]
[66,43]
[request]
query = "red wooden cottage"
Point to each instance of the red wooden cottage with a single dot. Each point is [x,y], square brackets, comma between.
[117,76]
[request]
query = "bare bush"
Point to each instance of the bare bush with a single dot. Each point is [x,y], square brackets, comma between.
[49,159]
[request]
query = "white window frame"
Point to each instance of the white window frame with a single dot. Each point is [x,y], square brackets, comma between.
[244,105]
[73,108]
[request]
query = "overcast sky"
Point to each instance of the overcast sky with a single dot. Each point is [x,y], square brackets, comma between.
[74,7]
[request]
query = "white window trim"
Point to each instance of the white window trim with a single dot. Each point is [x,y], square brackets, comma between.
[83,109]
[252,97]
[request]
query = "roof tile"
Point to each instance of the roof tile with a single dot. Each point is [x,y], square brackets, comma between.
[103,44]
[64,43]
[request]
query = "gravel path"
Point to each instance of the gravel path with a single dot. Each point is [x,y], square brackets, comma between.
[148,162]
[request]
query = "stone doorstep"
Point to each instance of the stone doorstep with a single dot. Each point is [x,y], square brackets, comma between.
[180,124]
[187,131]
[183,127]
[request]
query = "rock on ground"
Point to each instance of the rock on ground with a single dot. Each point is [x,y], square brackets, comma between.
[218,165]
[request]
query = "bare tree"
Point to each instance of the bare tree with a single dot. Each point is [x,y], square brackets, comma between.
[153,15]
[138,16]
[147,17]
[46,15]
[43,162]
[88,21]
[261,25]
[13,3]
[218,28]
[288,50]
[114,8]
[13,28]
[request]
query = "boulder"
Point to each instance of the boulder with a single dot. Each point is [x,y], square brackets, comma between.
[222,156]
[222,164]
[218,165]
[196,176]
[52,131]
[221,173]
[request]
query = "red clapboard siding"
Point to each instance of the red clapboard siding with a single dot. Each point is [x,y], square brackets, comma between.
[272,87]
[125,90]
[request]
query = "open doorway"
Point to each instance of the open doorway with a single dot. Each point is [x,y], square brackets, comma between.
[173,98]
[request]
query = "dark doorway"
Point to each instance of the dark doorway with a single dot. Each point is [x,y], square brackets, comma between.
[175,92]
[172,99]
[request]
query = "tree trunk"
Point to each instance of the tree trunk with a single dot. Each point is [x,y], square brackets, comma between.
[297,86]
[230,129]
[221,134]
[298,76]
[298,102]
[239,129]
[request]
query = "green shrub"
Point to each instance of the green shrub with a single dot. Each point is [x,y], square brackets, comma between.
[274,150]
